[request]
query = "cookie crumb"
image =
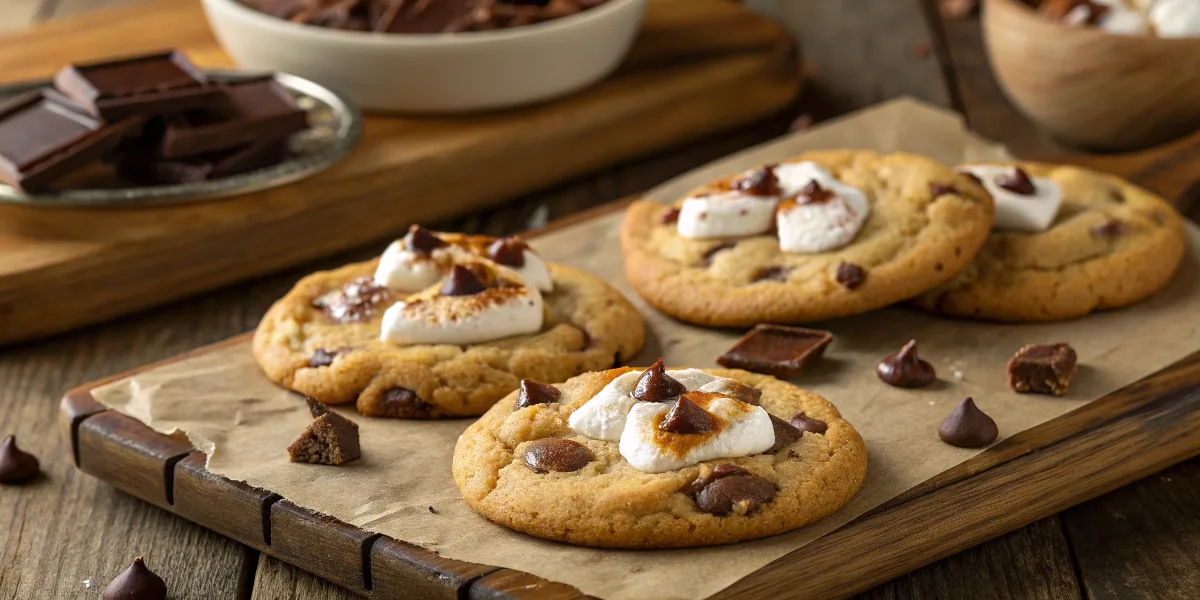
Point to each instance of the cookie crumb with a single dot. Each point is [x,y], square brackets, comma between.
[433,510]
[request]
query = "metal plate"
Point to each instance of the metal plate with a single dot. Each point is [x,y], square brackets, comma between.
[335,126]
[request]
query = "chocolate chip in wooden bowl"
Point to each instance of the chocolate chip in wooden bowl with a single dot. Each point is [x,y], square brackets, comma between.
[850,275]
[686,417]
[707,258]
[1110,229]
[761,182]
[968,427]
[785,434]
[807,424]
[330,439]
[1017,182]
[558,455]
[732,388]
[777,350]
[656,386]
[533,392]
[735,494]
[356,301]
[905,368]
[136,583]
[394,402]
[509,251]
[422,240]
[769,274]
[669,216]
[462,282]
[1042,369]
[16,465]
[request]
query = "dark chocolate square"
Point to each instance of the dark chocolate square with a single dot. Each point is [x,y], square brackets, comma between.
[257,111]
[776,350]
[141,85]
[156,170]
[1042,369]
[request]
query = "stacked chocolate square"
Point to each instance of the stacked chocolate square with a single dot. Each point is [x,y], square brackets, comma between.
[157,118]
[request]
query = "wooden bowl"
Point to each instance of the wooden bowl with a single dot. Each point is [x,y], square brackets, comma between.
[1090,87]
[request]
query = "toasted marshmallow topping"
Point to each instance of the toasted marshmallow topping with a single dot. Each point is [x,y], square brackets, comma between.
[406,271]
[812,224]
[1020,212]
[1175,18]
[603,417]
[1119,18]
[725,214]
[535,272]
[742,430]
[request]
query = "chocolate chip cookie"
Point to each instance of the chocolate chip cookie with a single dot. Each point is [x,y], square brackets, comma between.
[1110,245]
[923,223]
[759,457]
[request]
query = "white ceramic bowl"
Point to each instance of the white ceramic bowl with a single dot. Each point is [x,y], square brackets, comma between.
[436,73]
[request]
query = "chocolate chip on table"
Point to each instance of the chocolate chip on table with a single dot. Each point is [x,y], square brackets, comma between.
[968,427]
[813,193]
[16,465]
[905,368]
[711,252]
[785,434]
[422,240]
[533,392]
[1109,229]
[1017,182]
[509,251]
[737,494]
[761,182]
[330,439]
[776,350]
[850,275]
[686,417]
[136,583]
[356,301]
[770,274]
[557,454]
[805,423]
[656,386]
[462,282]
[669,216]
[1042,369]
[395,402]
[734,389]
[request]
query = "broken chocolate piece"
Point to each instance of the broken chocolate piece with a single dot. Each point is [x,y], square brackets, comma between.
[709,475]
[557,454]
[255,111]
[770,274]
[669,216]
[321,358]
[1109,229]
[805,423]
[733,389]
[509,251]
[850,275]
[813,193]
[905,368]
[1017,182]
[147,169]
[356,301]
[136,583]
[761,182]
[737,494]
[533,392]
[462,282]
[776,350]
[686,417]
[968,427]
[396,402]
[785,434]
[16,465]
[656,386]
[711,252]
[141,85]
[422,240]
[1042,369]
[331,439]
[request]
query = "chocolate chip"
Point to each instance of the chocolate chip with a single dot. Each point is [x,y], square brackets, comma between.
[321,358]
[1042,369]
[708,476]
[509,251]
[733,389]
[16,465]
[656,386]
[533,392]
[737,494]
[1017,182]
[761,182]
[686,417]
[805,423]
[708,254]
[671,215]
[770,274]
[136,583]
[968,427]
[557,454]
[356,301]
[396,402]
[813,193]
[941,189]
[850,275]
[462,282]
[1110,229]
[785,434]
[422,240]
[776,350]
[905,368]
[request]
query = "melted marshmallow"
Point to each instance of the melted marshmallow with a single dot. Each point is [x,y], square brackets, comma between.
[407,271]
[603,417]
[818,226]
[725,214]
[495,313]
[1119,18]
[1175,18]
[534,272]
[1015,211]
[746,430]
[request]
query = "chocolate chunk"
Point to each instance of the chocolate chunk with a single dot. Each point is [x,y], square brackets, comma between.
[533,392]
[813,193]
[905,368]
[422,240]
[1110,229]
[761,182]
[557,454]
[149,169]
[805,423]
[397,402]
[256,111]
[1042,369]
[708,476]
[356,301]
[462,282]
[321,358]
[669,216]
[16,465]
[941,189]
[331,439]
[686,417]
[136,583]
[967,426]
[151,84]
[785,434]
[776,350]
[850,275]
[733,389]
[770,274]
[1017,182]
[711,252]
[656,386]
[737,494]
[509,251]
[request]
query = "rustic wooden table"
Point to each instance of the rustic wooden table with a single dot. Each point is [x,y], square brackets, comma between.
[68,534]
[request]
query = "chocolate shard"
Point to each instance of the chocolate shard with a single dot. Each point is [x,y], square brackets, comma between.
[735,494]
[905,368]
[509,251]
[16,465]
[807,424]
[968,427]
[1017,182]
[420,239]
[785,435]
[136,583]
[462,282]
[315,407]
[558,455]
[669,216]
[533,392]
[395,402]
[813,193]
[331,439]
[776,350]
[709,475]
[1042,369]
[732,388]
[686,417]
[656,386]
[850,275]
[762,182]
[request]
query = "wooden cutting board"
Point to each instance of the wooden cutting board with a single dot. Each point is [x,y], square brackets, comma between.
[699,67]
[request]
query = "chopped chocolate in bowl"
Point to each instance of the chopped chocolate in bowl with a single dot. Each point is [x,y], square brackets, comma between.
[533,393]
[656,386]
[558,455]
[357,301]
[420,16]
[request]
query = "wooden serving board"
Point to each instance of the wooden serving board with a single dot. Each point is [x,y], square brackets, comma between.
[699,67]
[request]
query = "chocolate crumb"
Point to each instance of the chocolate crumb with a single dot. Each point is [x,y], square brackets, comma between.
[431,510]
[331,439]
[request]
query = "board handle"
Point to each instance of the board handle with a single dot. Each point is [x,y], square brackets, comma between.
[1171,170]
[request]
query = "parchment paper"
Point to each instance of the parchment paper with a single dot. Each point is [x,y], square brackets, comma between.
[231,411]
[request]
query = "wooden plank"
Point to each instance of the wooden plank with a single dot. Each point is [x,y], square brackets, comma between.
[277,580]
[230,508]
[18,14]
[130,456]
[325,546]
[506,584]
[399,569]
